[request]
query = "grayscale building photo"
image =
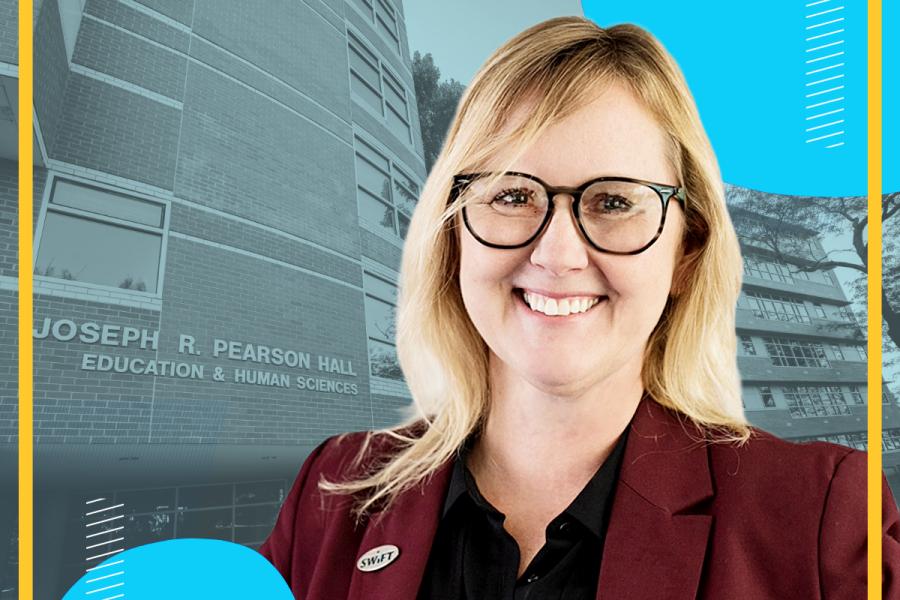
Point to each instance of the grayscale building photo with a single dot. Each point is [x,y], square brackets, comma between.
[802,352]
[221,195]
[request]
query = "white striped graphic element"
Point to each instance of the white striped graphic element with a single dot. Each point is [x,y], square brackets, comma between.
[100,510]
[829,45]
[818,81]
[823,125]
[118,539]
[109,587]
[825,12]
[823,24]
[95,500]
[822,137]
[816,2]
[821,35]
[106,566]
[104,577]
[105,520]
[90,535]
[830,112]
[113,597]
[105,554]
[819,93]
[825,102]
[835,145]
[835,66]
[826,57]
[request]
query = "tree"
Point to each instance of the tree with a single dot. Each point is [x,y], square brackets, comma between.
[437,101]
[784,225]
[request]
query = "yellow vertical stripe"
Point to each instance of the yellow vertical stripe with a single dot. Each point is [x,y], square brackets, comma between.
[874,293]
[26,162]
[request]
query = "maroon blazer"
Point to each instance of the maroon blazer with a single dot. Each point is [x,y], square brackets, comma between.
[768,520]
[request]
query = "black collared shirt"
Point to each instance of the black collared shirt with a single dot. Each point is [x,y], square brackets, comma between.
[474,558]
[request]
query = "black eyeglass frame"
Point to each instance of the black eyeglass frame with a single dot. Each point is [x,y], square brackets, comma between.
[664,193]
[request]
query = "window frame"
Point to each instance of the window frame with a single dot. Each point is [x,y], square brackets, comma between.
[766,306]
[787,352]
[372,14]
[748,348]
[759,267]
[812,401]
[398,211]
[386,77]
[54,177]
[890,437]
[373,294]
[767,397]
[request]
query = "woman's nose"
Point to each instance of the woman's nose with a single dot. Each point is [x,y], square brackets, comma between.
[560,248]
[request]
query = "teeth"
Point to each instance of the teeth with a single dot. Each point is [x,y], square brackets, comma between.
[559,307]
[550,307]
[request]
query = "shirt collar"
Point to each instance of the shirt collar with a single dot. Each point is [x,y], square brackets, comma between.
[590,507]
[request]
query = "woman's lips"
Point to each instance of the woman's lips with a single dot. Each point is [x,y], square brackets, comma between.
[557,305]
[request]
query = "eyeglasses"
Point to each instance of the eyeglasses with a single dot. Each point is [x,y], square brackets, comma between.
[617,215]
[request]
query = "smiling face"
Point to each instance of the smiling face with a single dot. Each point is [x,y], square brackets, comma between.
[624,296]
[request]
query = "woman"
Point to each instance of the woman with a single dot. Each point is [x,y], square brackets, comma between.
[566,328]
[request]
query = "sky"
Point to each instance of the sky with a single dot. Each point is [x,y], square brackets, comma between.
[460,35]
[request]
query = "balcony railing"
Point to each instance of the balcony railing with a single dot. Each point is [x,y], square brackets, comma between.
[761,369]
[813,289]
[748,318]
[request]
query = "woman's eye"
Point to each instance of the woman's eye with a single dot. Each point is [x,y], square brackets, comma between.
[609,203]
[508,197]
[616,203]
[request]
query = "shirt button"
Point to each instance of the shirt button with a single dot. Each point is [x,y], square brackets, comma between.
[532,578]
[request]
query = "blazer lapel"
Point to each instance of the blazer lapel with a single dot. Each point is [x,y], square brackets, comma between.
[411,525]
[657,536]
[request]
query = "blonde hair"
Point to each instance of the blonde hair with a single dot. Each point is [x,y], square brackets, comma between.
[690,361]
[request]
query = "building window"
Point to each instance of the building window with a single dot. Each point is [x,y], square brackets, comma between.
[365,74]
[816,401]
[862,353]
[396,106]
[837,351]
[747,347]
[890,440]
[858,440]
[768,400]
[847,314]
[386,23]
[794,353]
[756,266]
[777,308]
[383,17]
[101,237]
[820,310]
[381,314]
[856,395]
[365,7]
[382,91]
[387,195]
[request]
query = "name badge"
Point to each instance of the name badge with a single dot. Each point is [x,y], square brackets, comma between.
[378,558]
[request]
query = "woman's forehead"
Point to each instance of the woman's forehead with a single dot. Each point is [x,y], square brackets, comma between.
[611,133]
